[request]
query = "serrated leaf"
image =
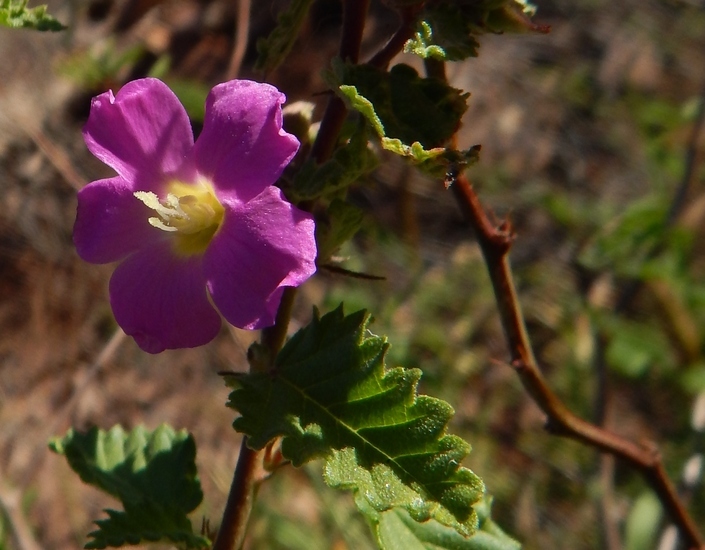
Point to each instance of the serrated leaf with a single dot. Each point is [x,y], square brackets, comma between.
[153,474]
[274,49]
[330,396]
[343,220]
[396,530]
[409,107]
[444,35]
[448,30]
[436,162]
[348,164]
[15,14]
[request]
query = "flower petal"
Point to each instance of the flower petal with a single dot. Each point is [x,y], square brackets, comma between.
[261,247]
[110,222]
[243,148]
[161,300]
[142,133]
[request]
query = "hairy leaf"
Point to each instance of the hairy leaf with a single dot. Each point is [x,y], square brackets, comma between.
[349,163]
[274,49]
[342,221]
[153,474]
[443,35]
[408,107]
[330,396]
[396,530]
[16,14]
[436,162]
[447,30]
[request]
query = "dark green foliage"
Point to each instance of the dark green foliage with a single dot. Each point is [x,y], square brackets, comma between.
[153,474]
[349,163]
[330,396]
[448,30]
[15,14]
[443,36]
[410,108]
[97,70]
[342,222]
[274,49]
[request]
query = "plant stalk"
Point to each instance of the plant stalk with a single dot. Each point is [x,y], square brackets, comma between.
[495,243]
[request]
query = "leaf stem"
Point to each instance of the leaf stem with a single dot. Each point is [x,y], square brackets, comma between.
[249,471]
[495,242]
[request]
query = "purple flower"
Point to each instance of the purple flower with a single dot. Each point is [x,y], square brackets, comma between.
[195,227]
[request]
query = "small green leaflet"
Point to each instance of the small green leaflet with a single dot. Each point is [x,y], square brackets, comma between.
[153,474]
[274,49]
[448,30]
[15,14]
[330,396]
[442,36]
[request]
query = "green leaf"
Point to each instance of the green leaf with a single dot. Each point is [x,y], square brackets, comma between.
[15,14]
[343,220]
[408,107]
[436,162]
[152,473]
[95,68]
[349,163]
[448,30]
[330,396]
[644,522]
[274,49]
[396,530]
[636,347]
[625,244]
[443,34]
[192,95]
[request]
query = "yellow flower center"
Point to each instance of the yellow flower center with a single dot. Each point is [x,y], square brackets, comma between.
[191,212]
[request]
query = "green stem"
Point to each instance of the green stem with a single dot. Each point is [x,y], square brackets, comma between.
[249,471]
[249,465]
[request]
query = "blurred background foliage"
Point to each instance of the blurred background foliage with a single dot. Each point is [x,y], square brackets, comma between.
[588,146]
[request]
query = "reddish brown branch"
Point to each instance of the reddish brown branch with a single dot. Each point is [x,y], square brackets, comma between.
[249,471]
[240,499]
[384,57]
[495,242]
[354,14]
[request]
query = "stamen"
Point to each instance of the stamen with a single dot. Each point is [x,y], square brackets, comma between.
[194,215]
